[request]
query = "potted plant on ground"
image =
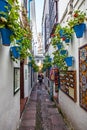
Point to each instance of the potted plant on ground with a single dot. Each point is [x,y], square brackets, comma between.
[77,23]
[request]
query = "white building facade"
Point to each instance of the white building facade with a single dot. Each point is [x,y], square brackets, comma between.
[10,89]
[76,109]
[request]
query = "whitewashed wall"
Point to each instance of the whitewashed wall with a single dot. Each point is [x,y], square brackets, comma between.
[9,103]
[74,112]
[27,81]
[26,85]
[61,8]
[45,12]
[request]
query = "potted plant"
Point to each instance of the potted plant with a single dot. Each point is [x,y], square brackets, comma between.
[77,23]
[67,34]
[33,64]
[58,60]
[63,52]
[6,33]
[59,31]
[35,67]
[47,62]
[4,8]
[15,52]
[59,45]
[69,61]
[10,24]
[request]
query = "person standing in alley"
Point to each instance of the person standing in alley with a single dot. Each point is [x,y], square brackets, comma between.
[40,78]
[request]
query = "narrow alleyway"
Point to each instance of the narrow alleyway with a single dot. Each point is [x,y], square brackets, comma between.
[40,113]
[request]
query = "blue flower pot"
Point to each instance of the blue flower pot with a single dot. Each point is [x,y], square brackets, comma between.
[6,33]
[50,59]
[29,64]
[59,46]
[69,61]
[79,30]
[61,32]
[3,7]
[30,57]
[67,40]
[15,51]
[63,52]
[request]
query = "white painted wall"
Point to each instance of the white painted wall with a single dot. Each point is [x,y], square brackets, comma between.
[45,11]
[9,103]
[61,8]
[26,87]
[29,80]
[33,25]
[74,112]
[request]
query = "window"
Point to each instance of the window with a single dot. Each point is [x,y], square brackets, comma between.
[16,79]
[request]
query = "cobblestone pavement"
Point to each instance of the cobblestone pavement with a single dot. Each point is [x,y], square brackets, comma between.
[40,113]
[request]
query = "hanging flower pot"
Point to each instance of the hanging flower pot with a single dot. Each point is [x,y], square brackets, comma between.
[4,7]
[59,46]
[79,30]
[61,32]
[67,40]
[15,51]
[29,64]
[50,59]
[69,61]
[63,52]
[30,57]
[6,33]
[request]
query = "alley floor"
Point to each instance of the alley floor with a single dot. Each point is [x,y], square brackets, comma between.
[41,113]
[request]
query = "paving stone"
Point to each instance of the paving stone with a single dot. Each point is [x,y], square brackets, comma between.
[53,110]
[28,123]
[29,116]
[41,113]
[26,128]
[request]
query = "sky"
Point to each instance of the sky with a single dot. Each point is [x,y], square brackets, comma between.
[39,11]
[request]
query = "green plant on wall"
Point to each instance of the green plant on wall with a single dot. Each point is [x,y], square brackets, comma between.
[21,32]
[33,64]
[58,60]
[78,17]
[56,39]
[67,32]
[35,68]
[47,63]
[11,20]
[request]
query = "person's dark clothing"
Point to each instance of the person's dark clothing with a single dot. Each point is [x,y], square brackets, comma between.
[40,78]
